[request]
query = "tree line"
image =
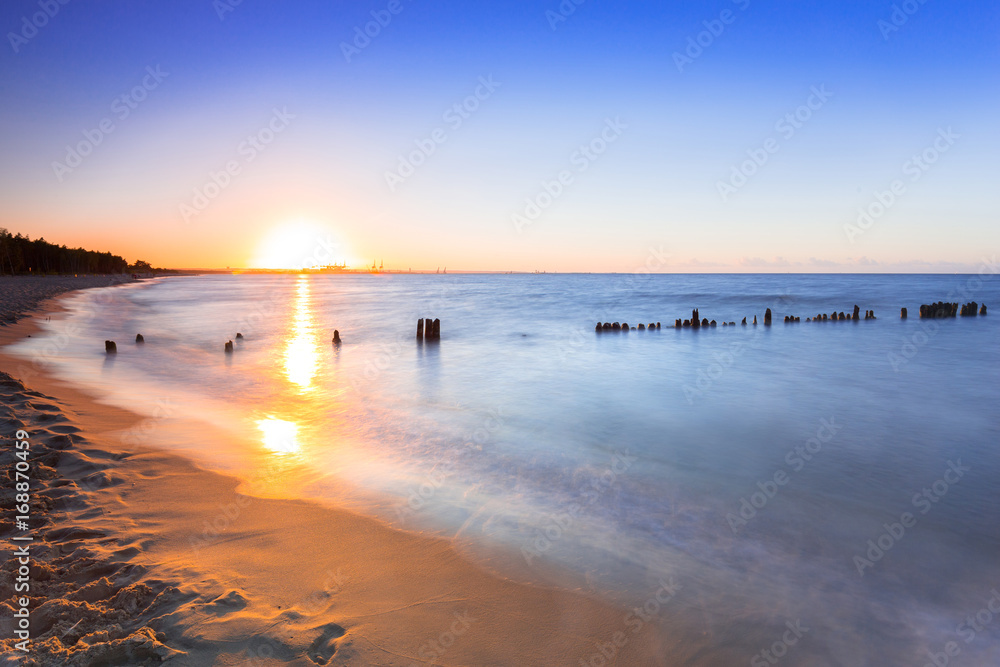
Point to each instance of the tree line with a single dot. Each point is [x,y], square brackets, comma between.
[21,255]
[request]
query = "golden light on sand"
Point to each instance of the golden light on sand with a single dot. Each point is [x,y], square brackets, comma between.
[302,351]
[280,436]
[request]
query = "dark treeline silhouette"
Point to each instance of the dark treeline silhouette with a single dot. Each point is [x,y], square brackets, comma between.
[20,255]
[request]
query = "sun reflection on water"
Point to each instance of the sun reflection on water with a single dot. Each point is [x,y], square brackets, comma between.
[302,351]
[279,436]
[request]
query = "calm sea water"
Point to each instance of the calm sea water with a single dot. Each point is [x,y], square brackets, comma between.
[843,475]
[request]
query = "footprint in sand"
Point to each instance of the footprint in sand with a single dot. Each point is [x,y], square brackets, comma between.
[102,589]
[46,418]
[100,480]
[324,646]
[8,427]
[72,534]
[227,604]
[125,554]
[59,441]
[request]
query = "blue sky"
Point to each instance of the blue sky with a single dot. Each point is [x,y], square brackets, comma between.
[485,190]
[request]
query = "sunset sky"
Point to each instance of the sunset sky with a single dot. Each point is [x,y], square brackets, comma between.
[727,135]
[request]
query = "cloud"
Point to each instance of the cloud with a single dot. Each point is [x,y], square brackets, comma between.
[761,262]
[862,264]
[698,264]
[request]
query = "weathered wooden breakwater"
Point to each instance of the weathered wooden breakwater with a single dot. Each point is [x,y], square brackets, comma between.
[430,330]
[696,321]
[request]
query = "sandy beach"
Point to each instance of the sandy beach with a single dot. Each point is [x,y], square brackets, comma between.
[404,333]
[138,556]
[20,295]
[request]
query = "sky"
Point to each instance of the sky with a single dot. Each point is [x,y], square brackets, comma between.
[722,136]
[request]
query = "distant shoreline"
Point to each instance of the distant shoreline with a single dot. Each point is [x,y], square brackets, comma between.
[426,272]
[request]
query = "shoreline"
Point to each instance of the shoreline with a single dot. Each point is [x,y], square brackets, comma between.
[24,295]
[281,581]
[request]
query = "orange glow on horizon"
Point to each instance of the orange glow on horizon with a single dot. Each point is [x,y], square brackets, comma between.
[300,244]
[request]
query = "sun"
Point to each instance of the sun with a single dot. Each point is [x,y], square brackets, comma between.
[299,244]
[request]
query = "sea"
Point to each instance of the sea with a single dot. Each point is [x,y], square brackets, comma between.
[812,493]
